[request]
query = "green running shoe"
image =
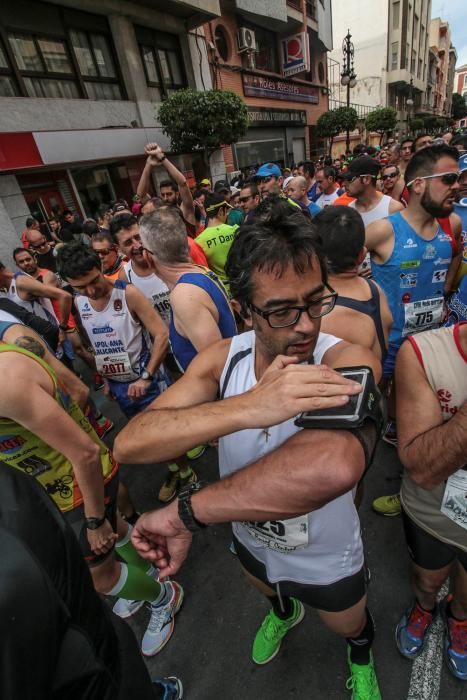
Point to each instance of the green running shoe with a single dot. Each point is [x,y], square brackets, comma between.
[363,682]
[269,637]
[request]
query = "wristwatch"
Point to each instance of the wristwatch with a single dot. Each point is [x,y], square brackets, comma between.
[185,511]
[95,523]
[146,375]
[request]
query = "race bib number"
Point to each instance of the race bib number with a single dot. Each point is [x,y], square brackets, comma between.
[423,315]
[281,535]
[115,366]
[454,504]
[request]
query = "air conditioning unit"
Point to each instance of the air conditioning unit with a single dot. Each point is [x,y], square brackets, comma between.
[246,39]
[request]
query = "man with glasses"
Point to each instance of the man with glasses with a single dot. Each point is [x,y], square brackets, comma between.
[42,249]
[104,247]
[249,200]
[392,184]
[269,179]
[412,258]
[295,527]
[360,182]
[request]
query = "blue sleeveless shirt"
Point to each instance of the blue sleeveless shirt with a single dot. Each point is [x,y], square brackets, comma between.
[413,279]
[183,350]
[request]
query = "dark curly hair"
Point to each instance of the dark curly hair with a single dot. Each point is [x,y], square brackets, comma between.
[75,260]
[282,237]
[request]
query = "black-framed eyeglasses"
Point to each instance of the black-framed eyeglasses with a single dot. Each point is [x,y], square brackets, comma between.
[290,315]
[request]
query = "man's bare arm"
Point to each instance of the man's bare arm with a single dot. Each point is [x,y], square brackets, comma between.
[158,157]
[430,449]
[193,318]
[25,337]
[145,181]
[187,414]
[456,226]
[379,240]
[26,397]
[30,286]
[395,206]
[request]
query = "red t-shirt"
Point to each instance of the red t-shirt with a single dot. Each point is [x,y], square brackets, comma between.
[196,253]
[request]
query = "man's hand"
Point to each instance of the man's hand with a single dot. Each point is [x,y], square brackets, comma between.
[154,153]
[138,389]
[161,537]
[287,389]
[102,539]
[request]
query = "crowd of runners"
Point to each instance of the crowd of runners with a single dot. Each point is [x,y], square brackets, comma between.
[289,320]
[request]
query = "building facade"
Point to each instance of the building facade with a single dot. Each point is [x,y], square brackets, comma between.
[80,83]
[460,86]
[440,82]
[391,44]
[272,53]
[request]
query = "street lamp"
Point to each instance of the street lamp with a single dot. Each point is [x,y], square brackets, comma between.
[348,75]
[410,103]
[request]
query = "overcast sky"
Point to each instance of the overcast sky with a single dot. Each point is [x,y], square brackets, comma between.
[455,12]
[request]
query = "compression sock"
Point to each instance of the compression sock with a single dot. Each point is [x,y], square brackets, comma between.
[134,584]
[128,553]
[360,646]
[284,610]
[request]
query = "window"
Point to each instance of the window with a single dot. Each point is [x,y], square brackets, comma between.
[96,65]
[415,27]
[266,50]
[413,63]
[8,86]
[52,67]
[465,80]
[162,61]
[407,54]
[44,65]
[394,55]
[420,64]
[396,8]
[222,44]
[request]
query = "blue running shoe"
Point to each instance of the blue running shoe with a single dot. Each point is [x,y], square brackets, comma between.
[171,686]
[412,629]
[455,643]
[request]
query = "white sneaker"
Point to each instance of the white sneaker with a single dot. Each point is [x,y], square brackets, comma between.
[126,608]
[161,623]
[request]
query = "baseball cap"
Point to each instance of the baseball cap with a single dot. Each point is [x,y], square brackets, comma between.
[222,186]
[286,182]
[364,165]
[205,181]
[234,190]
[268,169]
[463,163]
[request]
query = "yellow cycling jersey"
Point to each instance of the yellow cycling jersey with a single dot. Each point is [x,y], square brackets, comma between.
[20,448]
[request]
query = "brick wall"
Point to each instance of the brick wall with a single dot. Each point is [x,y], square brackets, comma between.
[227,78]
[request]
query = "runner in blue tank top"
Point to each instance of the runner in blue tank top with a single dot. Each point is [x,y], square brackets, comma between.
[201,312]
[411,254]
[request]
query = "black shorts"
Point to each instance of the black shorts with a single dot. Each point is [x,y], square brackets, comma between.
[334,597]
[77,519]
[426,551]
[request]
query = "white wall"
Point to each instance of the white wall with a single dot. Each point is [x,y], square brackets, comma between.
[368,22]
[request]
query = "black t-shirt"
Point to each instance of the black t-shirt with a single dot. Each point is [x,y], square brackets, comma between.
[58,639]
[46,260]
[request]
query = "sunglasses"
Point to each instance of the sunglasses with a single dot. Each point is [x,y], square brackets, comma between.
[386,177]
[265,179]
[448,179]
[245,199]
[38,246]
[103,253]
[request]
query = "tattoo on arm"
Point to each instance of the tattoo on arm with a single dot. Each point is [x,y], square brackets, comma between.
[31,344]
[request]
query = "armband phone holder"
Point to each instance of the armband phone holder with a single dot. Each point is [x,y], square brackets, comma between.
[368,405]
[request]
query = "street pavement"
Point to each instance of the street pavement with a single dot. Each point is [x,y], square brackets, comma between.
[211,646]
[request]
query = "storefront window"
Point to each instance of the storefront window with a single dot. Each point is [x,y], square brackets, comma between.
[253,153]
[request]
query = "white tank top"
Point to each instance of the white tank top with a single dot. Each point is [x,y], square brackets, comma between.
[153,289]
[379,212]
[316,548]
[121,344]
[40,306]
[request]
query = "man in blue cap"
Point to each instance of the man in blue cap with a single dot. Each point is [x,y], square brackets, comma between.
[269,179]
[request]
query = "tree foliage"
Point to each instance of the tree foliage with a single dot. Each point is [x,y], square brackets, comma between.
[416,124]
[203,121]
[381,120]
[334,122]
[459,107]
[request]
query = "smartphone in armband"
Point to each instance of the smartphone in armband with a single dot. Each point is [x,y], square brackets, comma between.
[367,405]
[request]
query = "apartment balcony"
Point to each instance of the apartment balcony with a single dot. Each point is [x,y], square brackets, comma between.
[193,12]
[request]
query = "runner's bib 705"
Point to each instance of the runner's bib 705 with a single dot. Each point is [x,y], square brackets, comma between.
[281,535]
[454,504]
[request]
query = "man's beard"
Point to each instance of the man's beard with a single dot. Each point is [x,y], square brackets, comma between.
[436,210]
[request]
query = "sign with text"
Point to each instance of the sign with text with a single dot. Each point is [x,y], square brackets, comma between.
[271,88]
[295,54]
[263,116]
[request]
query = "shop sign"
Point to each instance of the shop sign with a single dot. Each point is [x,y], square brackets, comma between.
[274,89]
[263,116]
[295,55]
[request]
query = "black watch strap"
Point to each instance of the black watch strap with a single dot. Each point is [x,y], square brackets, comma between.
[95,523]
[185,510]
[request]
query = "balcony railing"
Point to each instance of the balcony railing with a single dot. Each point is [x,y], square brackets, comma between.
[362,110]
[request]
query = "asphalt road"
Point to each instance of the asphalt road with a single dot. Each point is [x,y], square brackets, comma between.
[211,646]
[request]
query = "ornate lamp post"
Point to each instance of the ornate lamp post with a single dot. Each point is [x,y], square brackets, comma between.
[348,75]
[410,103]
